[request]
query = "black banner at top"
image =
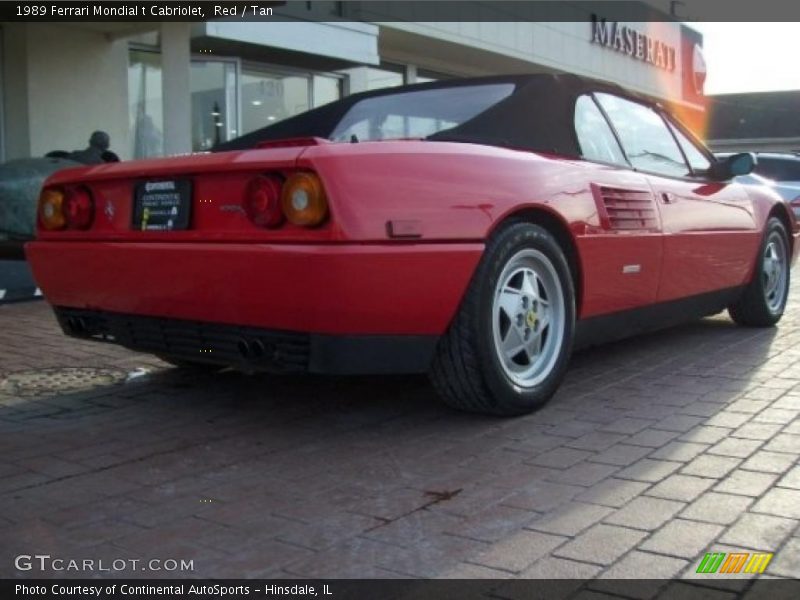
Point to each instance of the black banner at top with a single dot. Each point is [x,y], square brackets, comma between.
[395,10]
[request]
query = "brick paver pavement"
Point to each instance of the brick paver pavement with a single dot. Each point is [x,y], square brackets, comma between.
[656,450]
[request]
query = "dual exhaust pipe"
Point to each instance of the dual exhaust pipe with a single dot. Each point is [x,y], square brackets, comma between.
[78,326]
[254,349]
[251,350]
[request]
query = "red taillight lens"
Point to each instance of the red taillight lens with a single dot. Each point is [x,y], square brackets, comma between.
[262,201]
[78,208]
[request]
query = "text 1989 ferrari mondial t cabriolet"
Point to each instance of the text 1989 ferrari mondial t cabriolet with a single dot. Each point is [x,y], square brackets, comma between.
[477,229]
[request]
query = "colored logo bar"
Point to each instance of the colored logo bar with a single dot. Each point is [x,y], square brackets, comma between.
[734,562]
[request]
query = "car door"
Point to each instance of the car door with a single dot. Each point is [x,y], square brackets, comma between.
[624,243]
[709,230]
[709,221]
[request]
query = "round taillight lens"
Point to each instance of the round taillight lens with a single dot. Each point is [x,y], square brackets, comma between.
[51,209]
[304,201]
[262,201]
[79,208]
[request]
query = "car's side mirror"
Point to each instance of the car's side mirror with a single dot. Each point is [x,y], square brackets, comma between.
[736,164]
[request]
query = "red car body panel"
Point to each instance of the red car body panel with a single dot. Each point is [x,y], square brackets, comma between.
[356,289]
[349,275]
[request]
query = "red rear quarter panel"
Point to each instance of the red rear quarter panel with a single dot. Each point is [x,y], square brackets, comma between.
[455,191]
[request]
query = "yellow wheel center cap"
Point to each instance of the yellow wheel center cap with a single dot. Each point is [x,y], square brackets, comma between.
[531,318]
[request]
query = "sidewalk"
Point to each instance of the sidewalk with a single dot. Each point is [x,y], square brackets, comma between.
[656,451]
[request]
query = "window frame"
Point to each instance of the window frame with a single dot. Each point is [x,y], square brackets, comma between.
[668,120]
[674,125]
[611,128]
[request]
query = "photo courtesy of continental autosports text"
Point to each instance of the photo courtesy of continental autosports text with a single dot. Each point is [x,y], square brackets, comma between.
[215,590]
[394,299]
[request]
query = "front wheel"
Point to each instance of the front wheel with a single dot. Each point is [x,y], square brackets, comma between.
[764,300]
[508,348]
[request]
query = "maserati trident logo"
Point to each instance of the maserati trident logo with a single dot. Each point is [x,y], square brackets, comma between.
[698,69]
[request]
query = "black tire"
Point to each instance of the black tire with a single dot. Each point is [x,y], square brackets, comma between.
[468,371]
[762,304]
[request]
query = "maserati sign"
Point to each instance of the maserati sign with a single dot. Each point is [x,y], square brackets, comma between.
[698,69]
[635,44]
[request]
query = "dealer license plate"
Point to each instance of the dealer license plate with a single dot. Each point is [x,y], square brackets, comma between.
[162,205]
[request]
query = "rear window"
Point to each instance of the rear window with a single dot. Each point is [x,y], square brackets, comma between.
[779,169]
[418,114]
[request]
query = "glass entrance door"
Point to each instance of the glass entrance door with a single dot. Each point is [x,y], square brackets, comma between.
[214,103]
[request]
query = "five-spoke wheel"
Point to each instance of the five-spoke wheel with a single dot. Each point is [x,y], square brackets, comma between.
[528,317]
[508,347]
[764,299]
[775,271]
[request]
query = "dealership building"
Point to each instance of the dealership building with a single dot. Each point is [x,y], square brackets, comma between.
[166,88]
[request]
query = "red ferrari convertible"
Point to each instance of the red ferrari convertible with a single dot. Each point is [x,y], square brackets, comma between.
[476,229]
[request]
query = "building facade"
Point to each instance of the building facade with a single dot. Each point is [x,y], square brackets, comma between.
[754,122]
[166,88]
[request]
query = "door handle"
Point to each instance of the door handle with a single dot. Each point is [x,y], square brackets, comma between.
[668,198]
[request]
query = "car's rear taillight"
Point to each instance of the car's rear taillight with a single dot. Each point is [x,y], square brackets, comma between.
[51,209]
[303,200]
[262,201]
[78,207]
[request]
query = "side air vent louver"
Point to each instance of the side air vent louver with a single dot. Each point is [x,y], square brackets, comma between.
[623,209]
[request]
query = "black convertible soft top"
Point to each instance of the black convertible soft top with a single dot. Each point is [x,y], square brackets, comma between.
[537,115]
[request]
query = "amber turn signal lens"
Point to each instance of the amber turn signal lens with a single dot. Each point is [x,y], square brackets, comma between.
[303,200]
[51,209]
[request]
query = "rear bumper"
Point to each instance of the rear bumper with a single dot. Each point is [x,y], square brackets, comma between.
[341,289]
[251,348]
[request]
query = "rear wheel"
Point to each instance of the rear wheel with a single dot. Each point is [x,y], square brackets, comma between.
[507,350]
[764,299]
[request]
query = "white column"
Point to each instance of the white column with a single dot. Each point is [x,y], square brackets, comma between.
[357,80]
[16,104]
[175,70]
[411,74]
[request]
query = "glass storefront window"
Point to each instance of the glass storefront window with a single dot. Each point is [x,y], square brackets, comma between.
[385,76]
[226,101]
[145,105]
[269,97]
[214,106]
[326,89]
